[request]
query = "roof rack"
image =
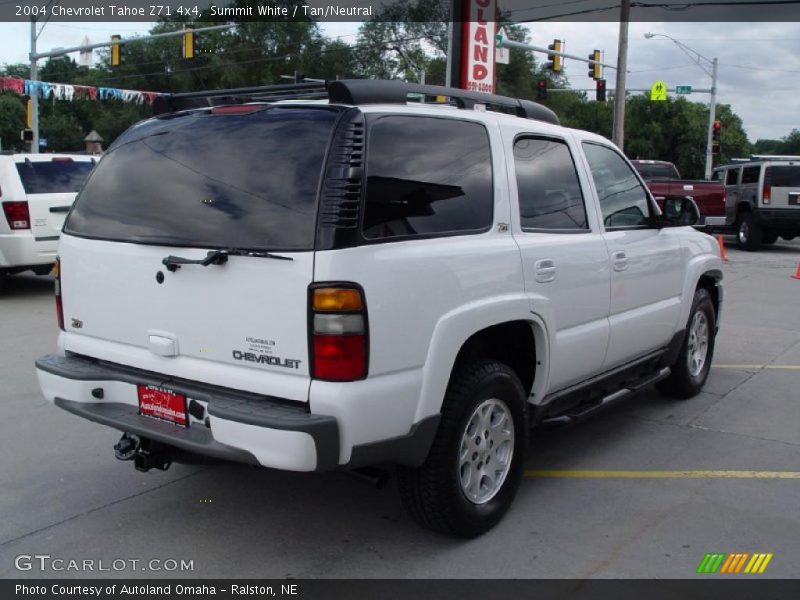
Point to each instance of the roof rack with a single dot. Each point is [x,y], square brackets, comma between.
[353,92]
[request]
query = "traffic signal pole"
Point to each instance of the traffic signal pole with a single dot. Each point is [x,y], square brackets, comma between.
[34,98]
[618,131]
[712,116]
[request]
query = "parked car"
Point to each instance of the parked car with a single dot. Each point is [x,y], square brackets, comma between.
[332,285]
[664,181]
[36,192]
[763,199]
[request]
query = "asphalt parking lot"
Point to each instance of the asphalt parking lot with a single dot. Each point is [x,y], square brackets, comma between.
[700,476]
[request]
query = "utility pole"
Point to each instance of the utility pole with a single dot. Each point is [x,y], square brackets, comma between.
[618,133]
[34,96]
[712,116]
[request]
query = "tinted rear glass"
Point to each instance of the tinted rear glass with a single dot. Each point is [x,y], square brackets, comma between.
[220,181]
[648,171]
[784,176]
[427,176]
[53,177]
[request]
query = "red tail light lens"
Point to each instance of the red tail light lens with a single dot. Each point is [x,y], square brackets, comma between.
[339,337]
[17,215]
[59,306]
[766,193]
[339,357]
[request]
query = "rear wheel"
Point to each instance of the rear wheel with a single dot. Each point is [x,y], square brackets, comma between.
[690,371]
[475,464]
[3,276]
[748,232]
[787,236]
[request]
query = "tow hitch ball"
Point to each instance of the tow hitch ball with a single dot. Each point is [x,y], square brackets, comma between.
[146,454]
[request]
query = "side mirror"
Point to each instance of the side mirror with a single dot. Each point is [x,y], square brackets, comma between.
[680,211]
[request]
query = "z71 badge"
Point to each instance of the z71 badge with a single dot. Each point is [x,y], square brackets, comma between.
[275,361]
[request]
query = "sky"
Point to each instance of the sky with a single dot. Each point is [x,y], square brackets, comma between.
[759,63]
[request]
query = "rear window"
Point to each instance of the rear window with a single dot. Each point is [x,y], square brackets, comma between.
[656,171]
[210,180]
[53,176]
[784,176]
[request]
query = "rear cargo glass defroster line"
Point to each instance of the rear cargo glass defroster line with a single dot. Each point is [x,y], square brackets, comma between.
[203,180]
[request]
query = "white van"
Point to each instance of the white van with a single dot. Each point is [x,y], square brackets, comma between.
[36,193]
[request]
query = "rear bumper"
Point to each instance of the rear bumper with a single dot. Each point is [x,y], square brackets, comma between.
[785,219]
[240,427]
[21,249]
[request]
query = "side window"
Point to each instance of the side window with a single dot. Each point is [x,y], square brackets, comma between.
[623,200]
[732,178]
[750,174]
[549,191]
[427,176]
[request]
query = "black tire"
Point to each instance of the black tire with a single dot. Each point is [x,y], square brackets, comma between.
[748,232]
[769,237]
[3,277]
[432,493]
[681,383]
[787,236]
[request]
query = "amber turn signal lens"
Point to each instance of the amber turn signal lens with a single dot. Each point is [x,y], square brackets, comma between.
[337,299]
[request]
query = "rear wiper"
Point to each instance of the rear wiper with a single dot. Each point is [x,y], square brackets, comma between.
[216,257]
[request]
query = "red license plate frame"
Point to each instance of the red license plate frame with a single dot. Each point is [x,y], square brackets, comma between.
[163,404]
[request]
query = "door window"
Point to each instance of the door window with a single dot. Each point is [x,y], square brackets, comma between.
[732,177]
[549,192]
[623,200]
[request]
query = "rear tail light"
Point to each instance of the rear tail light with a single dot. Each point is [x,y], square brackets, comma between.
[59,305]
[766,193]
[339,336]
[17,215]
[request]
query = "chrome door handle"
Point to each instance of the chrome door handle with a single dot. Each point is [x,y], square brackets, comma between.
[619,260]
[545,270]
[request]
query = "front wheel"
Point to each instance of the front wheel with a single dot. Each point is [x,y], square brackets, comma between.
[690,371]
[475,465]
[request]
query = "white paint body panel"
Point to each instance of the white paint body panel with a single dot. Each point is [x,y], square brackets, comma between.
[424,297]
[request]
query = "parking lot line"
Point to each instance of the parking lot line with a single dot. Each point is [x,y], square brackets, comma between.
[784,367]
[608,474]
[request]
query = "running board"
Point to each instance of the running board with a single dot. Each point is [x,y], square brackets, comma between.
[581,412]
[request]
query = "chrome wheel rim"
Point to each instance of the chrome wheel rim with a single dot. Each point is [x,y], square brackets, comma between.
[744,232]
[486,451]
[697,351]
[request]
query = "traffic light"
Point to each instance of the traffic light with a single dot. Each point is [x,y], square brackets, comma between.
[595,69]
[541,89]
[555,62]
[601,90]
[116,51]
[715,131]
[188,48]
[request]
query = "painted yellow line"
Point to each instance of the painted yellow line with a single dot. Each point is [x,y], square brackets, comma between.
[759,367]
[764,564]
[606,474]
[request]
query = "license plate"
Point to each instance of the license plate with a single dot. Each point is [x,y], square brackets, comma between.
[162,404]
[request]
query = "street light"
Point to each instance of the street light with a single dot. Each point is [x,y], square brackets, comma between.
[697,58]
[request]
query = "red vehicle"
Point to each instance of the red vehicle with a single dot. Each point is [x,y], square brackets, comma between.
[663,180]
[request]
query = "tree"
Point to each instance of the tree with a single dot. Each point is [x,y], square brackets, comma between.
[12,120]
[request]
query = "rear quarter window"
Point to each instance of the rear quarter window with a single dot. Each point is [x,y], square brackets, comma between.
[427,176]
[788,176]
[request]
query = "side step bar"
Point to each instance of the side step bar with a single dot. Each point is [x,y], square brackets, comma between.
[581,412]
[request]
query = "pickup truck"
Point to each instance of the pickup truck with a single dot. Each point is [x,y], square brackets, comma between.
[664,180]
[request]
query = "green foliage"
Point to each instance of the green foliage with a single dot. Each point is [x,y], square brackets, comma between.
[12,120]
[787,145]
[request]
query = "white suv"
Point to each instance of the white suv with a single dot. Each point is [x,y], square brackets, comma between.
[36,192]
[325,285]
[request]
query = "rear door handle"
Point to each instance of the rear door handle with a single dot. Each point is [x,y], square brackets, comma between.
[619,260]
[545,270]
